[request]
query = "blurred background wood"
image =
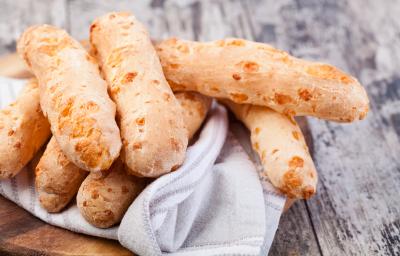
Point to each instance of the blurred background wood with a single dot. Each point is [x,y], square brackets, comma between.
[357,208]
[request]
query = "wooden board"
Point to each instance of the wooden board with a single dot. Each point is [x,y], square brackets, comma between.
[357,208]
[23,234]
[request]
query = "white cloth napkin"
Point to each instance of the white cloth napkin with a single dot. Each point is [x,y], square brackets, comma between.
[214,204]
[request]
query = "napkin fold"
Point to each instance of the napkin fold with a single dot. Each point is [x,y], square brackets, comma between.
[214,204]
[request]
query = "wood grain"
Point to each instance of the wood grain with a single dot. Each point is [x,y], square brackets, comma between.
[293,237]
[16,16]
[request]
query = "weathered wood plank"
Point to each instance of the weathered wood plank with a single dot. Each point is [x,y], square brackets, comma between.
[83,12]
[16,16]
[295,235]
[357,208]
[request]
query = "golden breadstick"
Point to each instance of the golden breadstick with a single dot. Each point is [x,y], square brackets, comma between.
[105,213]
[73,97]
[279,142]
[256,73]
[152,129]
[195,107]
[57,179]
[104,197]
[23,130]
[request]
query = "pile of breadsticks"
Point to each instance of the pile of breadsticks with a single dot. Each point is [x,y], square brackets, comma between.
[114,121]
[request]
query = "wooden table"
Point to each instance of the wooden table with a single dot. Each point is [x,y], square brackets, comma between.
[357,208]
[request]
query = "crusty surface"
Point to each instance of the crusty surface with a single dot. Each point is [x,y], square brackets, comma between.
[23,130]
[104,197]
[279,142]
[57,179]
[73,97]
[195,108]
[152,129]
[256,73]
[99,200]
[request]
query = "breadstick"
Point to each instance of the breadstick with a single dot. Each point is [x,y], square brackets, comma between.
[279,142]
[152,129]
[105,213]
[57,179]
[195,107]
[256,73]
[104,197]
[73,97]
[23,131]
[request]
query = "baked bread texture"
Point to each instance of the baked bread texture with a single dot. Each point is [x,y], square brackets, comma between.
[73,96]
[56,178]
[106,208]
[152,129]
[283,152]
[195,108]
[256,73]
[23,131]
[104,197]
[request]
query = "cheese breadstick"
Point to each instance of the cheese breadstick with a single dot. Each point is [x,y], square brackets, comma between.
[104,197]
[57,179]
[73,97]
[256,73]
[152,129]
[23,131]
[279,142]
[195,107]
[98,198]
